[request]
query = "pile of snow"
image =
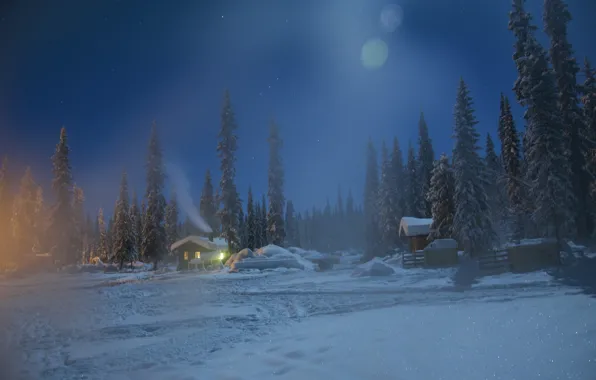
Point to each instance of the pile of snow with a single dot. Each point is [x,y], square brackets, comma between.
[536,241]
[239,256]
[375,267]
[269,257]
[307,254]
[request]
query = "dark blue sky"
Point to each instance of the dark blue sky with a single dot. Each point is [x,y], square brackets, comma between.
[106,69]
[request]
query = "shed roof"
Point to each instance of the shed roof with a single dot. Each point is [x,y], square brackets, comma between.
[198,240]
[410,226]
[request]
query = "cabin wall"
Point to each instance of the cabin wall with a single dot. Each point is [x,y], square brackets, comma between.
[418,243]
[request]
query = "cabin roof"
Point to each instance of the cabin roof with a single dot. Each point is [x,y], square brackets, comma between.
[410,226]
[197,240]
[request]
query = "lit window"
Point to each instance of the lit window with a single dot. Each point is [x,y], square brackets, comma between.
[197,255]
[185,255]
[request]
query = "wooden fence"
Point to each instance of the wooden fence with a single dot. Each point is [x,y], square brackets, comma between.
[494,262]
[412,259]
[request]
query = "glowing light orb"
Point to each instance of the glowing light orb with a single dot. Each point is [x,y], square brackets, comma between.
[374,53]
[392,16]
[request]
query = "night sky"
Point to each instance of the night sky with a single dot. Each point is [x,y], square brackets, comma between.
[106,69]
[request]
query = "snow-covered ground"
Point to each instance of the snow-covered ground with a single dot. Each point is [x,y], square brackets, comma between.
[289,324]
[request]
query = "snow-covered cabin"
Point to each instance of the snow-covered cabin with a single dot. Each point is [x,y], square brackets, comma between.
[416,231]
[197,250]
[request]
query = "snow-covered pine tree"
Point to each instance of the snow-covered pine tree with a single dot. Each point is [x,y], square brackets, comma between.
[388,211]
[305,235]
[472,224]
[397,167]
[142,254]
[275,193]
[351,232]
[78,208]
[265,239]
[171,221]
[137,226]
[102,242]
[440,196]
[511,160]
[258,243]
[495,192]
[297,237]
[556,16]
[252,230]
[123,237]
[40,222]
[87,240]
[412,188]
[426,158]
[546,154]
[207,206]
[122,234]
[23,217]
[154,235]
[242,229]
[228,195]
[291,227]
[588,99]
[6,204]
[61,227]
[371,204]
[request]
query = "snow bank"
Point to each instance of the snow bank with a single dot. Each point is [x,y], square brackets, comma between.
[269,257]
[375,267]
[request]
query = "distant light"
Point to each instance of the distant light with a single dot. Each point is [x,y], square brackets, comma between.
[221,255]
[392,16]
[374,53]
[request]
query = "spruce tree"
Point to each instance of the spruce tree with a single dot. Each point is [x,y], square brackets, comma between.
[252,226]
[556,16]
[78,207]
[122,235]
[207,205]
[412,193]
[171,221]
[102,242]
[291,228]
[494,186]
[440,196]
[472,224]
[426,158]
[23,217]
[371,204]
[143,216]
[297,234]
[511,160]
[265,239]
[588,99]
[228,196]
[6,202]
[387,207]
[154,235]
[242,229]
[548,171]
[397,166]
[137,226]
[275,218]
[257,228]
[39,224]
[61,227]
[351,227]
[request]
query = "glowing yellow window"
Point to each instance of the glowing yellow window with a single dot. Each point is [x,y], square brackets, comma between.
[197,255]
[185,255]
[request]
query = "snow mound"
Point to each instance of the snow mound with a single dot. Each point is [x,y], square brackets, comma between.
[307,254]
[374,267]
[274,251]
[239,256]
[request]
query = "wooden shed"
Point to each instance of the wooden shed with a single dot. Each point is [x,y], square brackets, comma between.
[197,251]
[415,231]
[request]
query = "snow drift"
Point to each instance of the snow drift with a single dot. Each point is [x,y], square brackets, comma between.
[268,257]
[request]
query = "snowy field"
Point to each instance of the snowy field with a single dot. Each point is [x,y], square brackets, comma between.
[297,325]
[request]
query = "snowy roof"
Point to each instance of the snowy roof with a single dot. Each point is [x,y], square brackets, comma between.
[198,240]
[410,226]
